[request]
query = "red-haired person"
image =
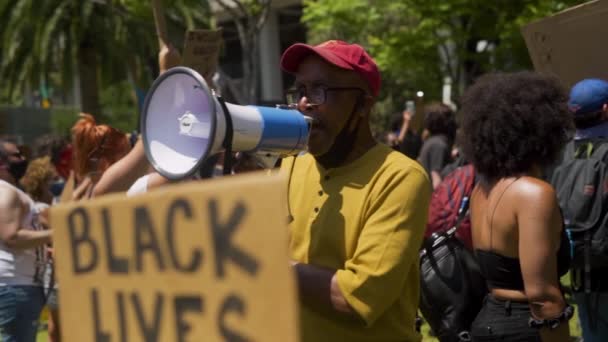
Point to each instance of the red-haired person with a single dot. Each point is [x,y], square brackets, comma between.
[95,149]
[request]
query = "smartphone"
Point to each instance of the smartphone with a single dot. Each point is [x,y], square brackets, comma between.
[410,106]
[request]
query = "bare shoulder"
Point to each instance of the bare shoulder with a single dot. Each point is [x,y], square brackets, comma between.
[535,198]
[534,189]
[9,198]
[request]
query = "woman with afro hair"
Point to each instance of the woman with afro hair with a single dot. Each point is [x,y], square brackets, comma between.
[514,126]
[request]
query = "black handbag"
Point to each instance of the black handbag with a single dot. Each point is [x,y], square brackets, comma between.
[452,288]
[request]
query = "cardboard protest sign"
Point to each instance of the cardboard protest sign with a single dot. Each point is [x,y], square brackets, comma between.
[201,261]
[202,51]
[571,44]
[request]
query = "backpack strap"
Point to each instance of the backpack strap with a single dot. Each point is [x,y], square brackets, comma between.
[463,210]
[587,276]
[600,150]
[586,148]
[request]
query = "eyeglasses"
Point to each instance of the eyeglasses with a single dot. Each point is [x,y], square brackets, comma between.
[316,95]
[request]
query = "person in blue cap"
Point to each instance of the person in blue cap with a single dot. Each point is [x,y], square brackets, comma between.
[582,190]
[589,104]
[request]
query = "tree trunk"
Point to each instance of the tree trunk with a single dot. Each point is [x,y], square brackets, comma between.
[255,70]
[247,71]
[89,80]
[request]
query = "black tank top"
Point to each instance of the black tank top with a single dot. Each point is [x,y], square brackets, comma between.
[503,272]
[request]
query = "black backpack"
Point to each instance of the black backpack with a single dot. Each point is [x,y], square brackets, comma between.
[581,184]
[452,287]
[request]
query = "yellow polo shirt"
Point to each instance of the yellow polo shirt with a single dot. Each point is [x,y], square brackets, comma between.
[366,220]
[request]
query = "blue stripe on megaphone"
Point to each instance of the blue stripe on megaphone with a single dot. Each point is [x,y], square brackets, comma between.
[284,131]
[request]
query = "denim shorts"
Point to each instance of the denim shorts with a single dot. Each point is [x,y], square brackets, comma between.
[20,308]
[503,320]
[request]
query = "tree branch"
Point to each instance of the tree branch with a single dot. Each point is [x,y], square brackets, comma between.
[231,10]
[446,53]
[264,15]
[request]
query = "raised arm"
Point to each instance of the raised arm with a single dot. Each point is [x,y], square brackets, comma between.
[122,174]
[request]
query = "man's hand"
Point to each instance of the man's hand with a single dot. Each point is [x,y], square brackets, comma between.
[318,288]
[168,57]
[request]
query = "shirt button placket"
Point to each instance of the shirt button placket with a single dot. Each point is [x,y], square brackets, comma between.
[320,199]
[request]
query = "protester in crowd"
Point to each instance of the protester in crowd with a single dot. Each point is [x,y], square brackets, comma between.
[440,126]
[96,148]
[37,181]
[59,151]
[21,253]
[513,125]
[588,103]
[390,139]
[408,141]
[357,208]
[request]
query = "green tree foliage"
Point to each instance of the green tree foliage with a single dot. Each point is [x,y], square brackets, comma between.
[99,42]
[417,43]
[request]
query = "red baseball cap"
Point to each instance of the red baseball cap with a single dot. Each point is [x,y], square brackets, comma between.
[341,54]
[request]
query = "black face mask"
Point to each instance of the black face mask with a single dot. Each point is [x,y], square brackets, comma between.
[17,169]
[57,188]
[343,143]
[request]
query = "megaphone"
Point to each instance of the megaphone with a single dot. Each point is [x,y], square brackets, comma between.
[183,123]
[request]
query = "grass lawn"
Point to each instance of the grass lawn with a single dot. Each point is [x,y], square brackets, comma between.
[575,329]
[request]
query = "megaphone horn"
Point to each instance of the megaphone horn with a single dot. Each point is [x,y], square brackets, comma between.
[183,123]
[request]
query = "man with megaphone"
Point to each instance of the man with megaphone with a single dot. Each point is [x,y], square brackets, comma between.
[358,208]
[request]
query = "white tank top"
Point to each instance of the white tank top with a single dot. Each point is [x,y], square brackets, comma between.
[20,267]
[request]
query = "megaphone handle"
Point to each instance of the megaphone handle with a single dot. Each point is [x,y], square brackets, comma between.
[227,138]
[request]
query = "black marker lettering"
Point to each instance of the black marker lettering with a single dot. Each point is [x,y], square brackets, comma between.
[197,254]
[231,304]
[80,238]
[222,238]
[146,240]
[181,305]
[115,264]
[149,330]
